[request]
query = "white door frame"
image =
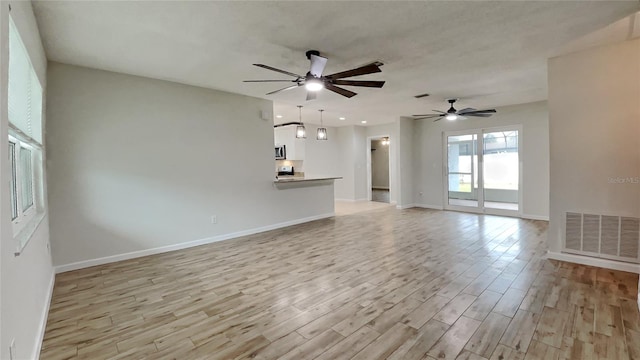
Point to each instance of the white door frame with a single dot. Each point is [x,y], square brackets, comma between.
[479,150]
[369,169]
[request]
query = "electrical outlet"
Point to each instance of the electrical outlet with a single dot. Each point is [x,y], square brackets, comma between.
[12,350]
[214,219]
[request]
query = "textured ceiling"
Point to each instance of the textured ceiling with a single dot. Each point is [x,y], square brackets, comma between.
[486,53]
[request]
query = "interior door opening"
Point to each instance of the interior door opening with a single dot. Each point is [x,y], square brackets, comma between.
[380,170]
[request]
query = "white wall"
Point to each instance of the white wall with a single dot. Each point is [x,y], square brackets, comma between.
[594,110]
[137,164]
[25,280]
[379,164]
[353,153]
[345,186]
[406,161]
[361,191]
[322,157]
[533,117]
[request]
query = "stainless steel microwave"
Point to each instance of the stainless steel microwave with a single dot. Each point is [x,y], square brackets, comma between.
[281,152]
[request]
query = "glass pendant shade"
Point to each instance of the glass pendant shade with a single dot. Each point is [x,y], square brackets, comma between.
[322,131]
[322,134]
[301,131]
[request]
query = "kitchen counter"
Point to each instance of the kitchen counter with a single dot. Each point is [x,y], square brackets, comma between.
[292,179]
[295,182]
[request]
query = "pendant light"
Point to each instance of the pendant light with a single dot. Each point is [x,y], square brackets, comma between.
[322,131]
[301,132]
[385,141]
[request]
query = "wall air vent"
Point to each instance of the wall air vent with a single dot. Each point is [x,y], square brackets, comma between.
[604,236]
[421,96]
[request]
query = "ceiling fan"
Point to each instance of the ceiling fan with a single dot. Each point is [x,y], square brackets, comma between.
[314,81]
[453,114]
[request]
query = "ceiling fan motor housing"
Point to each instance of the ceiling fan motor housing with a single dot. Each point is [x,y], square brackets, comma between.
[312,52]
[451,110]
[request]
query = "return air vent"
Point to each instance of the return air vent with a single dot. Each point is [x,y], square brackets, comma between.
[611,237]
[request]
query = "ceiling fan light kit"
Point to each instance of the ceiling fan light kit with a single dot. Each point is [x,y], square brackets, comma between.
[313,84]
[452,114]
[314,81]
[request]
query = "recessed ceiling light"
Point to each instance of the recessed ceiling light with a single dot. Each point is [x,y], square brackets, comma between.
[342,118]
[279,116]
[363,121]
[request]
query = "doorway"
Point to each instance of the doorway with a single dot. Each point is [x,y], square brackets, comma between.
[483,170]
[379,170]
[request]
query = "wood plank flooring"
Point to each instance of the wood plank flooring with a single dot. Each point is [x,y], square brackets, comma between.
[387,283]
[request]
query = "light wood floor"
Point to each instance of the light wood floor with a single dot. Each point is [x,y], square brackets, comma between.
[395,284]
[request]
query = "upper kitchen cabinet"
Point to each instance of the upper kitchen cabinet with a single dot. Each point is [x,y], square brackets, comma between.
[286,136]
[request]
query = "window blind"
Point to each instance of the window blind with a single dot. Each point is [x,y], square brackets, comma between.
[25,91]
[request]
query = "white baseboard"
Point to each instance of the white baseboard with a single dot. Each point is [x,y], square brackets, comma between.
[43,320]
[163,249]
[592,261]
[429,206]
[352,200]
[534,217]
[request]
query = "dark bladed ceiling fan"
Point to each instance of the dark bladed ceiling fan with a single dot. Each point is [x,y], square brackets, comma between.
[453,114]
[314,81]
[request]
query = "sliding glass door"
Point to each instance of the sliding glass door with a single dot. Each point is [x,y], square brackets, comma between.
[462,165]
[483,172]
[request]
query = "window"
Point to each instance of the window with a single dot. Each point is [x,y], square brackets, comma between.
[22,157]
[14,185]
[25,139]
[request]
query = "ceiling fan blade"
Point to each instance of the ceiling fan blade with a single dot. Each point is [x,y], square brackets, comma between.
[488,111]
[479,114]
[283,89]
[311,95]
[466,110]
[258,81]
[438,111]
[341,91]
[277,70]
[317,65]
[375,84]
[363,70]
[430,116]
